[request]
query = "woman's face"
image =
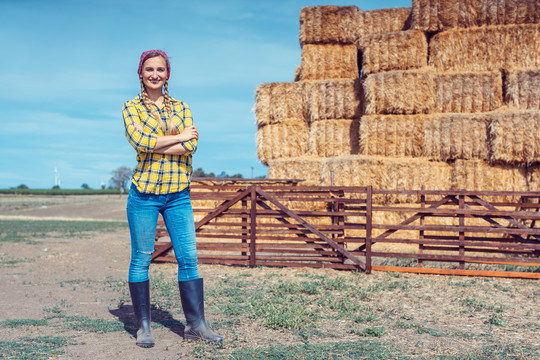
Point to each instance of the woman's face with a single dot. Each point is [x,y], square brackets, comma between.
[154,73]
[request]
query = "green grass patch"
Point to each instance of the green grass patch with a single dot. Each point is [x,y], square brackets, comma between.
[348,350]
[300,304]
[10,262]
[496,320]
[34,348]
[28,230]
[57,319]
[165,293]
[465,283]
[83,323]
[406,262]
[374,331]
[499,352]
[15,323]
[59,191]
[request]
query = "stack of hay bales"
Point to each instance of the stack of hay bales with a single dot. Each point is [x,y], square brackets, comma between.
[443,95]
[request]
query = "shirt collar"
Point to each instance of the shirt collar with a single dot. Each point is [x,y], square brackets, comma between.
[138,99]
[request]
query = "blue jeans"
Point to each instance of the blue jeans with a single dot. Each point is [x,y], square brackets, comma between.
[142,213]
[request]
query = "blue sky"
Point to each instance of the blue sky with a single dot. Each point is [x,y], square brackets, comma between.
[68,66]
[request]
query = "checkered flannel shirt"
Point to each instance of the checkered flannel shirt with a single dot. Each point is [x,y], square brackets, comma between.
[158,173]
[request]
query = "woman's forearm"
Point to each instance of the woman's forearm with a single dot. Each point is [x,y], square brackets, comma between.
[175,149]
[172,144]
[166,141]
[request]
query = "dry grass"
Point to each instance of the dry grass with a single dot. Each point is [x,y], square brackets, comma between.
[405,174]
[515,137]
[439,15]
[277,102]
[456,136]
[400,92]
[426,91]
[328,25]
[486,48]
[382,21]
[480,175]
[334,99]
[387,173]
[402,50]
[522,88]
[533,176]
[468,92]
[333,137]
[284,140]
[333,61]
[438,137]
[391,135]
[306,168]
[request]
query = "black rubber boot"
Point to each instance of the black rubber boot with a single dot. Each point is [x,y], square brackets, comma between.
[140,297]
[192,296]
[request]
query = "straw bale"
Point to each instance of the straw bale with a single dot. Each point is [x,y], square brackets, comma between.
[437,15]
[486,48]
[277,102]
[382,21]
[391,135]
[533,177]
[333,137]
[328,24]
[400,92]
[334,61]
[403,50]
[334,99]
[387,173]
[284,140]
[456,136]
[425,91]
[306,168]
[515,137]
[480,175]
[468,92]
[522,88]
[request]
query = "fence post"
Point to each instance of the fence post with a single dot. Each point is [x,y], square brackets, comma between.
[253,228]
[244,225]
[421,233]
[369,223]
[461,233]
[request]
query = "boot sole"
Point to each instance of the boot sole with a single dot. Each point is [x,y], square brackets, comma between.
[198,338]
[143,345]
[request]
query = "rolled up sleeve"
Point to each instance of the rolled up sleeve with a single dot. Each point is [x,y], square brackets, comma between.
[141,141]
[191,145]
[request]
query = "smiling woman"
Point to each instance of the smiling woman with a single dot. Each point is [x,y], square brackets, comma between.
[161,130]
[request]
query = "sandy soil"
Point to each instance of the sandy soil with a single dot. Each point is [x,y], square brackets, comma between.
[64,207]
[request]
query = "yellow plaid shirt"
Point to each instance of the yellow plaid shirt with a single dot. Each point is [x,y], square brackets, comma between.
[158,173]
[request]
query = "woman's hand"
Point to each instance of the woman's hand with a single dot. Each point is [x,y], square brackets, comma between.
[189,133]
[138,126]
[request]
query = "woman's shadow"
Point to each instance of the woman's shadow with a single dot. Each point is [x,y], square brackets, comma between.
[126,316]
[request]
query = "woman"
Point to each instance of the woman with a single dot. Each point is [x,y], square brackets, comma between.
[161,130]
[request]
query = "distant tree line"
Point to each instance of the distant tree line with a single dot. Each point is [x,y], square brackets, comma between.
[200,173]
[121,178]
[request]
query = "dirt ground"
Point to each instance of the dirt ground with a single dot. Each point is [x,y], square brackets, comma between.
[78,276]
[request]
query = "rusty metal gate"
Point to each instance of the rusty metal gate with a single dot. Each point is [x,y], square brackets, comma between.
[279,223]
